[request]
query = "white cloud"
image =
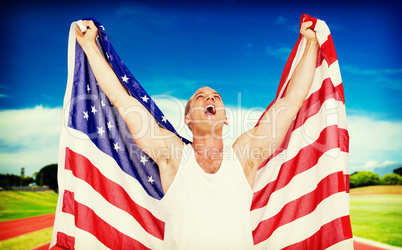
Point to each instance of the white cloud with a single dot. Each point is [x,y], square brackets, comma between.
[392,77]
[368,134]
[376,164]
[29,138]
[381,168]
[281,52]
[293,27]
[373,143]
[280,20]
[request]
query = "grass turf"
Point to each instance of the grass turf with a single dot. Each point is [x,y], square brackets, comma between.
[377,217]
[17,205]
[28,241]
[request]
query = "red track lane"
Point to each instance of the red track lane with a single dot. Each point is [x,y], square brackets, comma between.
[356,244]
[42,247]
[364,246]
[14,228]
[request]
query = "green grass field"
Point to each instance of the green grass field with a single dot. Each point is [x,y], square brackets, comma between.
[377,217]
[17,205]
[28,241]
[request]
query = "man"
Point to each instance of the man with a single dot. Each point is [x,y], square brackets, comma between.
[208,188]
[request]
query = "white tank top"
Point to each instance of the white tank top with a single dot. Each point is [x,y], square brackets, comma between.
[208,211]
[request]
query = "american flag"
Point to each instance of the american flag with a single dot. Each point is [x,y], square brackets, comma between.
[301,193]
[109,190]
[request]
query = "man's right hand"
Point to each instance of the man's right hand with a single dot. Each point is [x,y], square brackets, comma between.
[88,38]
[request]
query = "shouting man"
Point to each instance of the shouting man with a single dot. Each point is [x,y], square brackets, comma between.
[208,187]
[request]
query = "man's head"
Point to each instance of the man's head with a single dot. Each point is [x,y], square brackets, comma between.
[205,110]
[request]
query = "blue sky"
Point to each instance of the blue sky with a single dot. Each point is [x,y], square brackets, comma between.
[172,49]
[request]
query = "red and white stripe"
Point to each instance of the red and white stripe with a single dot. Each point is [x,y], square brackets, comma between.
[94,191]
[301,193]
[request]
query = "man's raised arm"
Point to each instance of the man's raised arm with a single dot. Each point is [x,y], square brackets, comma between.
[147,134]
[259,143]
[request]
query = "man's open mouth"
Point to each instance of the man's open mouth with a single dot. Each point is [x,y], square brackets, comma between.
[210,110]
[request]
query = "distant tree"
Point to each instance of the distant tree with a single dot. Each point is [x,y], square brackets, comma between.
[48,176]
[353,180]
[363,178]
[9,180]
[27,180]
[398,171]
[391,179]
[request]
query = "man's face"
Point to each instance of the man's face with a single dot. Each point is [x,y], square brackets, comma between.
[206,110]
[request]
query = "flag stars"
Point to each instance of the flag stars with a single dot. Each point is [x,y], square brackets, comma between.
[125,78]
[101,131]
[94,110]
[85,115]
[116,146]
[103,103]
[151,180]
[109,57]
[164,119]
[88,88]
[109,125]
[144,98]
[143,159]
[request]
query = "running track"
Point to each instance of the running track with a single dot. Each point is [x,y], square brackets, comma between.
[14,228]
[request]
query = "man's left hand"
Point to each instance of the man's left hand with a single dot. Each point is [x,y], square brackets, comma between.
[307,32]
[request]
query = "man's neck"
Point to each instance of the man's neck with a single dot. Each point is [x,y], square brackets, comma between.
[202,145]
[208,152]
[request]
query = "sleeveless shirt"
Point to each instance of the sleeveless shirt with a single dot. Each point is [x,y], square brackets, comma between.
[208,211]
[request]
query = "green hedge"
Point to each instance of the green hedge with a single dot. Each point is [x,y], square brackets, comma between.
[391,179]
[367,178]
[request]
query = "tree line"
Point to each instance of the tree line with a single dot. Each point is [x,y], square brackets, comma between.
[48,176]
[367,178]
[9,180]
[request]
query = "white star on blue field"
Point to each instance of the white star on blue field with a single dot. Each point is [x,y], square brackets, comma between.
[239,48]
